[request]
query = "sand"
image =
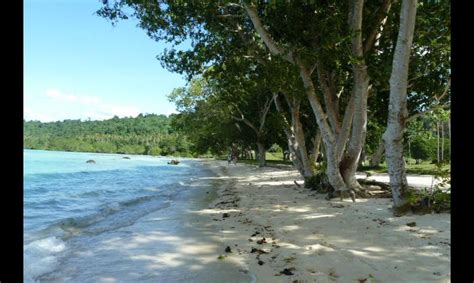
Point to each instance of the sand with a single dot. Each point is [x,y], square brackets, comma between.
[319,240]
[177,244]
[311,238]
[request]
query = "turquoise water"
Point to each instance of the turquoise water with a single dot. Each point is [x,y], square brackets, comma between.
[65,197]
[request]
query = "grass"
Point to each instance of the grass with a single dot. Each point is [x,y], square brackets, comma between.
[272,158]
[425,168]
[269,162]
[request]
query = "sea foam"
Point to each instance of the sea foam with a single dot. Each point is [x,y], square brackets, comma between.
[41,257]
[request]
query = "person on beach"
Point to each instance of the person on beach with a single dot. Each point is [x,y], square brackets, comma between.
[229,158]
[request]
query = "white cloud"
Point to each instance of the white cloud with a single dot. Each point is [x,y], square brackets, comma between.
[30,115]
[62,105]
[67,97]
[109,111]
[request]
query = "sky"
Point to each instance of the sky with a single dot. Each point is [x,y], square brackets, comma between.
[78,66]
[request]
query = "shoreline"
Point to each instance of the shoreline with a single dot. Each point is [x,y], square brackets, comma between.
[174,244]
[276,232]
[320,241]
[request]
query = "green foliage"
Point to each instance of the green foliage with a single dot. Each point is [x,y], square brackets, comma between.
[426,149]
[275,148]
[240,72]
[319,182]
[428,200]
[146,134]
[438,197]
[423,149]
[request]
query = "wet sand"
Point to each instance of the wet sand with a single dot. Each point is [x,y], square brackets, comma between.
[176,244]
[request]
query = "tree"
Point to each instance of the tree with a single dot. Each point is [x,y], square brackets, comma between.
[429,73]
[331,63]
[397,110]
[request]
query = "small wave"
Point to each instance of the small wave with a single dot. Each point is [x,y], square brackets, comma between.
[110,216]
[136,201]
[90,194]
[41,257]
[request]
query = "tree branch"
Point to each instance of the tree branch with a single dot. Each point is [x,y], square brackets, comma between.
[448,85]
[266,108]
[414,116]
[265,35]
[380,20]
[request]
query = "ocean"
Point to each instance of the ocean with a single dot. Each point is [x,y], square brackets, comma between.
[69,204]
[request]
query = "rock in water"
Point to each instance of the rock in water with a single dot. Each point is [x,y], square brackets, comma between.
[90,161]
[173,162]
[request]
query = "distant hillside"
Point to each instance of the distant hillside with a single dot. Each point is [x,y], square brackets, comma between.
[146,134]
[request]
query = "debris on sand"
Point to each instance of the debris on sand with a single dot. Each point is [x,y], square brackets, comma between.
[259,251]
[287,271]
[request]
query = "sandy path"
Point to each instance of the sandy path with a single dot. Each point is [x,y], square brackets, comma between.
[323,241]
[419,181]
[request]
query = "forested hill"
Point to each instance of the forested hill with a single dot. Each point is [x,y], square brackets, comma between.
[146,134]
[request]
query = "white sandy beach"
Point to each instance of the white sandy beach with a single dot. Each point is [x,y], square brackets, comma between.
[322,241]
[313,239]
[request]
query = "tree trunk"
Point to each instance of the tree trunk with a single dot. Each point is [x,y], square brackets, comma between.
[261,154]
[362,158]
[300,139]
[376,158]
[345,128]
[409,149]
[332,171]
[449,129]
[294,155]
[437,137]
[316,146]
[442,141]
[397,109]
[361,86]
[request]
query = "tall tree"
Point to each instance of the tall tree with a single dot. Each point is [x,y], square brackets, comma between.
[397,110]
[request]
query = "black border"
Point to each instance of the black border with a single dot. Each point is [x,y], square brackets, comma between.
[461,146]
[12,183]
[12,137]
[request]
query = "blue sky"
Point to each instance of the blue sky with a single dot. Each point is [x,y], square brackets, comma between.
[78,66]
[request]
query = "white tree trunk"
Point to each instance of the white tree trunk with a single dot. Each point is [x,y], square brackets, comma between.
[293,145]
[261,154]
[362,159]
[332,171]
[397,109]
[345,129]
[300,138]
[409,149]
[361,86]
[437,137]
[442,141]
[316,147]
[449,129]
